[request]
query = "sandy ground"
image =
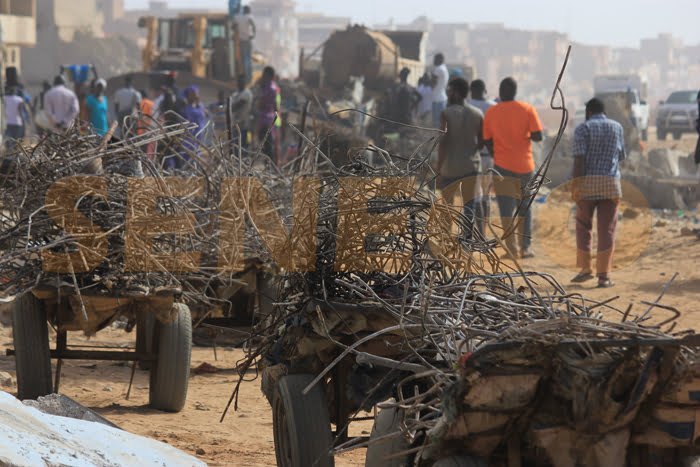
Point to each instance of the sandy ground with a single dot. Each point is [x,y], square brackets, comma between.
[650,250]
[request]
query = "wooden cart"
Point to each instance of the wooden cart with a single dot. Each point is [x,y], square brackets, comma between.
[163,338]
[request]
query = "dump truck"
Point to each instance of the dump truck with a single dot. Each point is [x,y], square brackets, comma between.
[357,51]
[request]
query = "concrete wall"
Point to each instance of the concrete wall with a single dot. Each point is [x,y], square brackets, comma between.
[18,30]
[17,7]
[65,17]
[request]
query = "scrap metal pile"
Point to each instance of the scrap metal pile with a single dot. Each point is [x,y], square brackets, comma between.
[411,308]
[84,216]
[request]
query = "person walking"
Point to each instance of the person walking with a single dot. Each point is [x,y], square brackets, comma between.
[405,99]
[127,102]
[459,162]
[146,109]
[38,109]
[169,107]
[196,114]
[267,114]
[598,147]
[96,103]
[440,78]
[509,129]
[479,100]
[425,106]
[245,27]
[241,108]
[217,110]
[697,127]
[61,104]
[14,118]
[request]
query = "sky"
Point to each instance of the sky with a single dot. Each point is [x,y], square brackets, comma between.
[619,23]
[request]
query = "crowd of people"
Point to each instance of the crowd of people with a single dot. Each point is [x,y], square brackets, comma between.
[481,138]
[254,112]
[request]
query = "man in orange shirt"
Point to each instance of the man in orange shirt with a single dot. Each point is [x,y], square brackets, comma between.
[146,112]
[509,129]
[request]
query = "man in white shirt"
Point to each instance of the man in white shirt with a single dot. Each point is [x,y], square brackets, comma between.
[241,108]
[61,104]
[14,120]
[425,106]
[245,27]
[127,101]
[478,90]
[440,78]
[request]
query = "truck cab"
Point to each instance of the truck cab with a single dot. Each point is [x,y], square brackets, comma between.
[634,89]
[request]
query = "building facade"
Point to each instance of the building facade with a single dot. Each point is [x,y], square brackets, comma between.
[17,29]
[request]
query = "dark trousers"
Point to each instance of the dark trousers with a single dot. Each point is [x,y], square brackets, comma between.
[470,190]
[607,225]
[270,143]
[12,134]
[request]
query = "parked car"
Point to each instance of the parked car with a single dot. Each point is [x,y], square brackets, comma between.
[677,115]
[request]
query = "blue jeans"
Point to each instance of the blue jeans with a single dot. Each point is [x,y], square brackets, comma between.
[12,134]
[511,196]
[246,48]
[438,107]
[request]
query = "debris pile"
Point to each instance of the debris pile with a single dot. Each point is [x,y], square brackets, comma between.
[407,307]
[85,216]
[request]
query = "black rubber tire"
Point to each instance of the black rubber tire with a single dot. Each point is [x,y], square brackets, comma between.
[30,332]
[660,134]
[677,135]
[170,373]
[460,461]
[387,422]
[301,424]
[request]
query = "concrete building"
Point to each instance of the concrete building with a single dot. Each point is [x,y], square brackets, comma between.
[17,29]
[315,28]
[277,35]
[63,18]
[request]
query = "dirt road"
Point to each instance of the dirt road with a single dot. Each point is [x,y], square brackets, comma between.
[650,250]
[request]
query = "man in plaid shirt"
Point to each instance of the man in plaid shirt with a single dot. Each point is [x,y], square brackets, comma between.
[598,148]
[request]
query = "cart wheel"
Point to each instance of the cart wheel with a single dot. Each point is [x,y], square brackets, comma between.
[170,373]
[677,135]
[386,423]
[301,424]
[460,461]
[30,332]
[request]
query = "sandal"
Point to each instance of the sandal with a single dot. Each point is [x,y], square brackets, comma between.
[605,283]
[582,277]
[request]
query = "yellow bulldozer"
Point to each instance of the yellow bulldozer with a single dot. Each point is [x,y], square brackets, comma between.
[205,46]
[201,45]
